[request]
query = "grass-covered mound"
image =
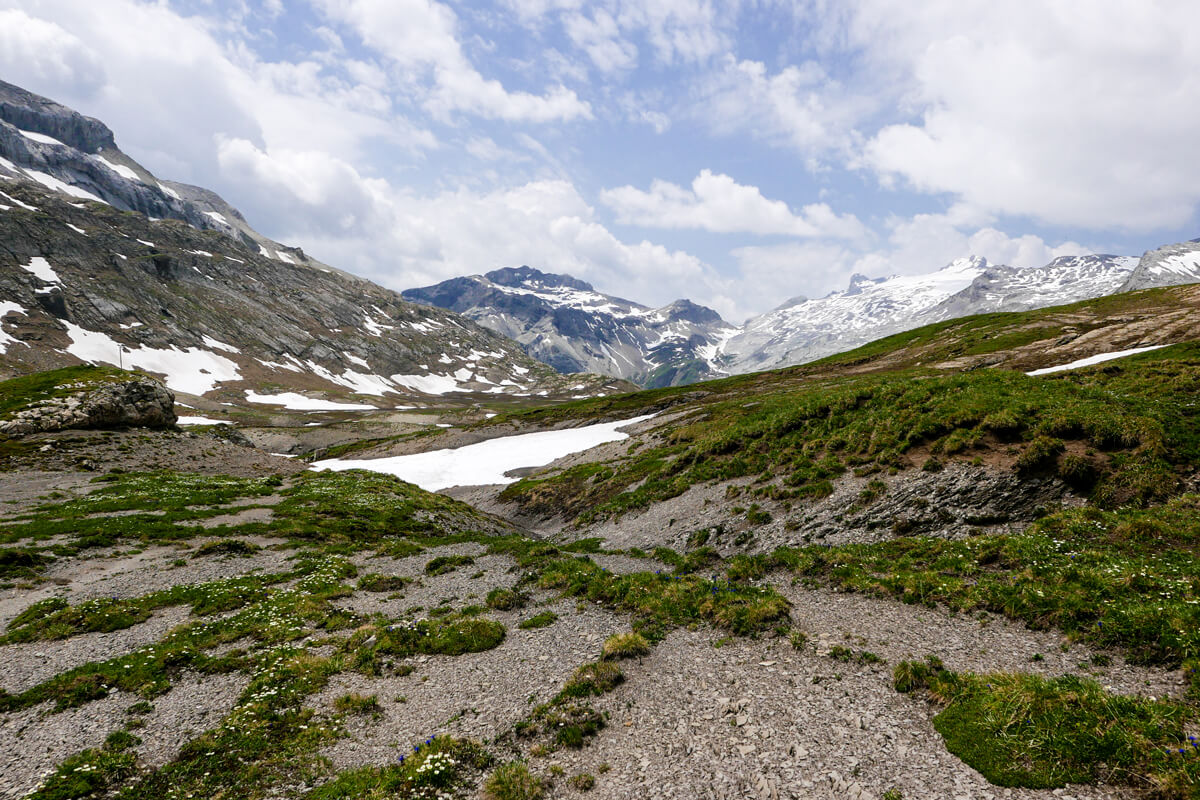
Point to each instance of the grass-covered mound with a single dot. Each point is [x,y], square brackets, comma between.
[1029,731]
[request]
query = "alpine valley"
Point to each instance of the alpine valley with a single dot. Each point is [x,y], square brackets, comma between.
[268,530]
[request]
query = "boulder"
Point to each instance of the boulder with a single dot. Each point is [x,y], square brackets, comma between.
[141,403]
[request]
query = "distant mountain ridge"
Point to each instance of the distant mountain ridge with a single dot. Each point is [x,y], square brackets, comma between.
[186,289]
[564,322]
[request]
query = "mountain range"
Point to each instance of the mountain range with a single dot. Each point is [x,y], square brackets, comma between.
[566,323]
[101,261]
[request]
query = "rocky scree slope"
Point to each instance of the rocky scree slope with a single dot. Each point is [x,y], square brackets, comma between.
[59,148]
[567,324]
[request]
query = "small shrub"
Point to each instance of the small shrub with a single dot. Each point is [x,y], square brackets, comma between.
[933,464]
[513,781]
[374,582]
[227,547]
[538,621]
[505,599]
[593,680]
[358,704]
[583,782]
[625,645]
[443,564]
[1040,454]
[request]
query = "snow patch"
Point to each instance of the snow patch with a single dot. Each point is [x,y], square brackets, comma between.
[12,199]
[169,192]
[193,371]
[200,421]
[77,229]
[211,342]
[428,384]
[120,169]
[487,462]
[1096,359]
[54,184]
[41,269]
[8,307]
[298,402]
[41,138]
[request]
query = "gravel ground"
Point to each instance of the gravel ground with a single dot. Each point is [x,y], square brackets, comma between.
[36,740]
[897,631]
[758,719]
[478,695]
[27,665]
[126,574]
[196,703]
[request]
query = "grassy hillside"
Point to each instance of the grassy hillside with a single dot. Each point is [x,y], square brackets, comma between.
[1123,433]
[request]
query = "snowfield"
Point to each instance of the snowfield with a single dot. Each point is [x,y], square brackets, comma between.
[1096,359]
[487,462]
[294,401]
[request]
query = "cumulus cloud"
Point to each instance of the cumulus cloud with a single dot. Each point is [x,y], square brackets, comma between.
[719,204]
[39,52]
[1078,115]
[404,238]
[419,35]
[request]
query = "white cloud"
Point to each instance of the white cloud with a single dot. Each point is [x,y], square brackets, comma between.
[799,107]
[40,52]
[1073,115]
[421,35]
[405,239]
[719,204]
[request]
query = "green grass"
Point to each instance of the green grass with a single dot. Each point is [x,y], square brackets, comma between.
[513,781]
[503,599]
[1128,579]
[542,620]
[1137,422]
[372,646]
[625,645]
[1045,733]
[444,564]
[442,764]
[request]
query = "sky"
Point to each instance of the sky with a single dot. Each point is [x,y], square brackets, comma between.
[736,153]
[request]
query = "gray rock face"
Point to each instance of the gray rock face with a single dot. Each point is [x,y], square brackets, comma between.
[30,112]
[131,404]
[1170,265]
[564,322]
[82,154]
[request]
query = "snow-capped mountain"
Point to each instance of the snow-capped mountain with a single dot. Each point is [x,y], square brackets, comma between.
[1170,265]
[806,330]
[186,289]
[567,324]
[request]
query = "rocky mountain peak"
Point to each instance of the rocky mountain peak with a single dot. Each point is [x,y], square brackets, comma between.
[526,275]
[30,112]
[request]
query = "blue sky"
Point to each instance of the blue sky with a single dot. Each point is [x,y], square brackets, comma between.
[737,153]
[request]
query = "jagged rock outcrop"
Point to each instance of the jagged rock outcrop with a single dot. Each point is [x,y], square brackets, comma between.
[141,403]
